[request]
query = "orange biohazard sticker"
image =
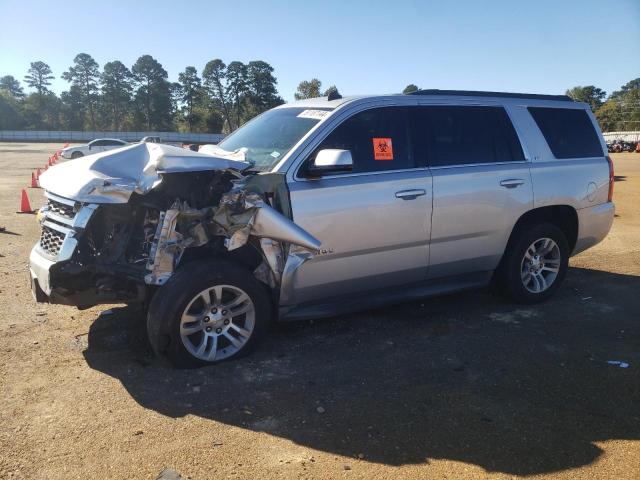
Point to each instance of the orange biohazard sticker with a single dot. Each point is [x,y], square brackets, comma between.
[382,149]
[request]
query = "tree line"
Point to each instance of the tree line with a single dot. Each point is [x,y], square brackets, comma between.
[218,99]
[617,112]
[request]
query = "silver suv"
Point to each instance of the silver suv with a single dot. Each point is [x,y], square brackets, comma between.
[327,206]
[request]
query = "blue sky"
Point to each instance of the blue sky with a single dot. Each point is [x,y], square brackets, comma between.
[540,46]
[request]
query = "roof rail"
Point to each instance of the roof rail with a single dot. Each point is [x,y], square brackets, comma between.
[470,93]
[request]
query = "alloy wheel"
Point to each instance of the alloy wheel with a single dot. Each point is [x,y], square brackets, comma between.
[540,265]
[217,322]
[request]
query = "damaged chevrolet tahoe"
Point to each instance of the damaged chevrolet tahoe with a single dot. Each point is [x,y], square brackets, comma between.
[327,206]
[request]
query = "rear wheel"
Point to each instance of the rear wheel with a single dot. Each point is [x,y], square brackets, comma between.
[208,312]
[534,264]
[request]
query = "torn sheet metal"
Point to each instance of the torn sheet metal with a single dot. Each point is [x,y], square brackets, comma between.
[295,258]
[238,216]
[111,177]
[243,214]
[166,249]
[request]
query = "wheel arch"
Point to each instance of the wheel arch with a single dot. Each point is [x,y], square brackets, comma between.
[565,217]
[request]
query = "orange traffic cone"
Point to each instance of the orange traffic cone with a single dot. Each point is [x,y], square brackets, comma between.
[45,167]
[25,207]
[34,180]
[38,173]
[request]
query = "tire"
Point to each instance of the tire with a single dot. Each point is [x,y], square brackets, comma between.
[189,312]
[519,276]
[77,155]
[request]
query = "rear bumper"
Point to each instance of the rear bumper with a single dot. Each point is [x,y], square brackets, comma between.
[594,224]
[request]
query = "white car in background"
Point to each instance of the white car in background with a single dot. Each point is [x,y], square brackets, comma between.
[95,146]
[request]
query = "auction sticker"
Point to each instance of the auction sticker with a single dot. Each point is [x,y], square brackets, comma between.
[313,114]
[382,149]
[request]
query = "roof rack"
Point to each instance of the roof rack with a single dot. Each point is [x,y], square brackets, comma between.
[470,93]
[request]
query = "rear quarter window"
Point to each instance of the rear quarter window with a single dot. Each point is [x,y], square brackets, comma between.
[569,132]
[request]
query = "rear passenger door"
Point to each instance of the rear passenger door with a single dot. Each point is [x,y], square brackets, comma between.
[373,222]
[481,184]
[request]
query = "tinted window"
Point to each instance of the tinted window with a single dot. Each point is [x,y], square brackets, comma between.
[97,143]
[377,139]
[464,135]
[113,142]
[569,132]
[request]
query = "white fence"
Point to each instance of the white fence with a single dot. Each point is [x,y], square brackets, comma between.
[75,136]
[624,136]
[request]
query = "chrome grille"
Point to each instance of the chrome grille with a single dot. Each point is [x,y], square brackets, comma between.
[61,209]
[51,240]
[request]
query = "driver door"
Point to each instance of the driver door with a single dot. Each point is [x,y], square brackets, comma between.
[374,222]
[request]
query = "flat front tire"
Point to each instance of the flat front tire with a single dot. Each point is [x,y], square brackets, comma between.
[534,264]
[208,312]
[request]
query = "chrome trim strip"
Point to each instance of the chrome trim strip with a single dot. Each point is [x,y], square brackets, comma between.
[84,215]
[487,164]
[56,198]
[58,218]
[55,226]
[362,174]
[67,248]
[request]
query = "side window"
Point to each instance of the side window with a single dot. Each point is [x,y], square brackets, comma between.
[569,132]
[377,138]
[97,143]
[460,135]
[113,143]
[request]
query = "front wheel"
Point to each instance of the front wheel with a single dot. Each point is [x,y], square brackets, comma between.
[208,312]
[534,264]
[75,155]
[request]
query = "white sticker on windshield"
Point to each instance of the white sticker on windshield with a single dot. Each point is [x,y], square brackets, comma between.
[275,154]
[314,114]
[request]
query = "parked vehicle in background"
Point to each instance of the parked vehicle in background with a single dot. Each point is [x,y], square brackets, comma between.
[618,146]
[150,139]
[322,207]
[95,146]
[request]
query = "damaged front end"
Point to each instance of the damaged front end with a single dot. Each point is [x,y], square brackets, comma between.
[114,235]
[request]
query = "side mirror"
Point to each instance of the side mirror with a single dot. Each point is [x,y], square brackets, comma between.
[329,161]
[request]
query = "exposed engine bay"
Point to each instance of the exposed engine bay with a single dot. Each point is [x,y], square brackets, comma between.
[129,247]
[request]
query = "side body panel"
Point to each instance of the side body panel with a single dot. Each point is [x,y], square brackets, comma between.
[581,183]
[370,238]
[473,215]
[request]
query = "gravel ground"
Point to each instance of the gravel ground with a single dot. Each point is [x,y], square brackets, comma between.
[463,386]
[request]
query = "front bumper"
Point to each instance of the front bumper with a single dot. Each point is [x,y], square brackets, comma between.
[63,221]
[39,267]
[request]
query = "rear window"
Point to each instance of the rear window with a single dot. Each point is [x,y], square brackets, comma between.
[461,135]
[569,132]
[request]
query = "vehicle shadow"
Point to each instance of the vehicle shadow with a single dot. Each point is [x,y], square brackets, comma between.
[469,377]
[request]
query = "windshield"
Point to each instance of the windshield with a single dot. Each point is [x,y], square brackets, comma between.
[266,138]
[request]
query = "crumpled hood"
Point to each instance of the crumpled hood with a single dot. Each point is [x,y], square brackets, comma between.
[111,177]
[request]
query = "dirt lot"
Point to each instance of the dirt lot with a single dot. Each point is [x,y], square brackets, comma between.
[466,386]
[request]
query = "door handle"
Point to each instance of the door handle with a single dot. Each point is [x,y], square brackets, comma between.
[512,183]
[410,194]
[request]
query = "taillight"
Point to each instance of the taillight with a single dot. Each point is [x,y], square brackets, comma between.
[611,179]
